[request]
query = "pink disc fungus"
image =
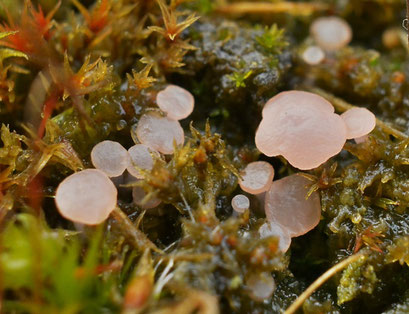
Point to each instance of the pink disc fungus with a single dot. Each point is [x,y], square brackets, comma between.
[86,197]
[269,229]
[313,55]
[287,205]
[331,33]
[257,177]
[240,203]
[139,195]
[110,157]
[140,157]
[359,122]
[302,127]
[176,101]
[159,133]
[261,286]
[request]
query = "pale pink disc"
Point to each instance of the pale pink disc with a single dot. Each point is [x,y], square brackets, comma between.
[240,203]
[269,229]
[159,133]
[110,157]
[359,122]
[261,286]
[313,55]
[87,197]
[176,101]
[257,177]
[139,194]
[287,206]
[331,33]
[140,157]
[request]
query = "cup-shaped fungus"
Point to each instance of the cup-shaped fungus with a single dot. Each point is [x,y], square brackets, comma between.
[331,33]
[257,177]
[139,195]
[87,197]
[269,229]
[261,286]
[176,101]
[313,55]
[302,127]
[240,203]
[159,133]
[359,122]
[287,205]
[110,157]
[140,157]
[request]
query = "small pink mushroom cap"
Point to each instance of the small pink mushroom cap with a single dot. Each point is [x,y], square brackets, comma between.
[257,177]
[176,101]
[110,157]
[240,203]
[269,229]
[261,286]
[159,133]
[331,33]
[140,156]
[302,127]
[359,122]
[86,197]
[139,194]
[313,55]
[286,205]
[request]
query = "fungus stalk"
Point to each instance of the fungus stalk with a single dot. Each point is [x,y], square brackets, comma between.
[320,281]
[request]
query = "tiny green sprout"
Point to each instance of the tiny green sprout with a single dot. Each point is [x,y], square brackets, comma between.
[272,39]
[239,78]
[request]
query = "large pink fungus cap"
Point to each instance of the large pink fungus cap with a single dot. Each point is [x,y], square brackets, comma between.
[159,133]
[176,101]
[269,229]
[302,127]
[140,157]
[359,122]
[257,177]
[110,157]
[87,197]
[331,33]
[286,205]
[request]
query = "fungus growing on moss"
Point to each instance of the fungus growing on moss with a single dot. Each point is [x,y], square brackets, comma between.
[140,157]
[87,197]
[331,33]
[110,157]
[176,101]
[287,205]
[261,286]
[302,127]
[139,195]
[269,229]
[240,203]
[257,177]
[359,122]
[313,55]
[159,133]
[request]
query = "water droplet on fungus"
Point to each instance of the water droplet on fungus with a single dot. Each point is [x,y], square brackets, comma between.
[87,197]
[110,157]
[313,55]
[302,127]
[331,33]
[158,133]
[240,203]
[286,205]
[359,122]
[140,157]
[257,177]
[269,229]
[176,101]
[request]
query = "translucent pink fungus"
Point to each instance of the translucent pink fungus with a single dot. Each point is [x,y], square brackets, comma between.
[176,101]
[269,229]
[313,55]
[110,157]
[159,133]
[302,127]
[257,177]
[359,122]
[261,286]
[331,33]
[287,206]
[87,197]
[139,194]
[240,203]
[140,157]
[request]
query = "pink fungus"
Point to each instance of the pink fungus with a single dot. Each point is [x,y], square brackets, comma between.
[139,195]
[269,229]
[359,122]
[176,101]
[313,55]
[110,157]
[261,286]
[331,33]
[159,133]
[240,203]
[302,127]
[140,157]
[287,206]
[87,197]
[257,177]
